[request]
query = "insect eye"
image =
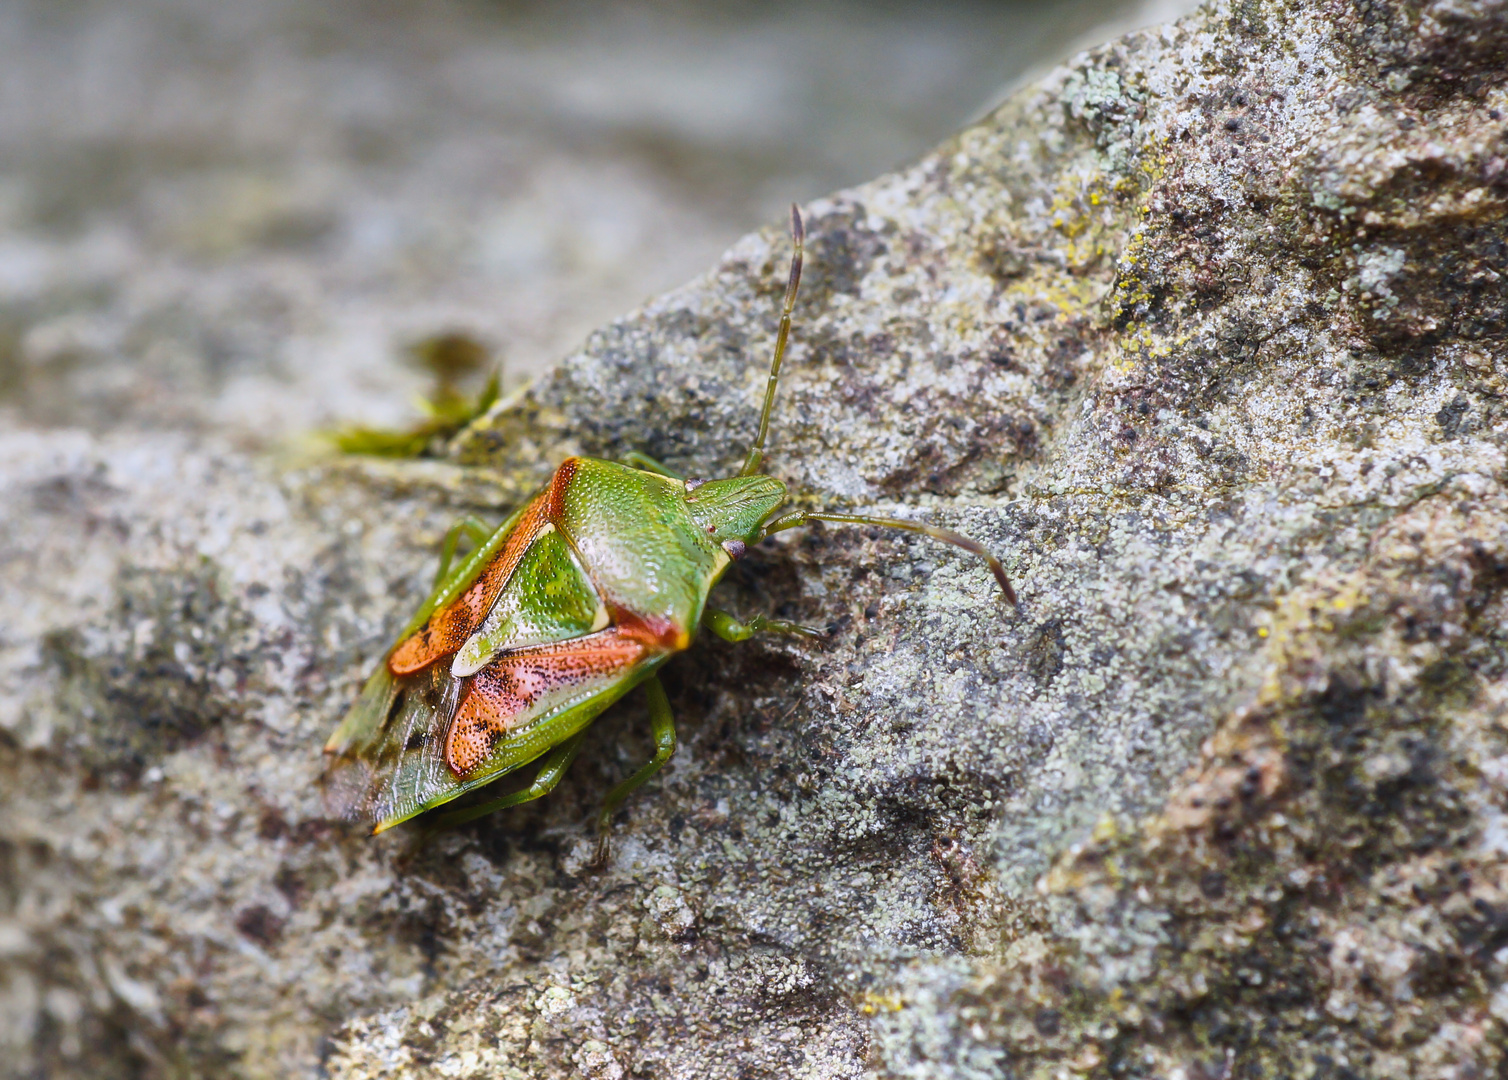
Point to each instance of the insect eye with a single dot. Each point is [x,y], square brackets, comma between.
[735,548]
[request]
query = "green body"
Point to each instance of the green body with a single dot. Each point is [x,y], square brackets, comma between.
[622,548]
[573,601]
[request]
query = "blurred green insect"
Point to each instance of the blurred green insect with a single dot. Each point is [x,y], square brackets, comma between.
[573,601]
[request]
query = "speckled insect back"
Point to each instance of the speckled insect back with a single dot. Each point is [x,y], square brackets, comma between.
[573,601]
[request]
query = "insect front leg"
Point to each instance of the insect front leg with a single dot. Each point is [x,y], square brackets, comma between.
[552,767]
[662,723]
[729,628]
[472,528]
[639,460]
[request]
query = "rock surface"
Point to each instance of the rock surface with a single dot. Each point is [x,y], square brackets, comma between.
[1204,333]
[232,218]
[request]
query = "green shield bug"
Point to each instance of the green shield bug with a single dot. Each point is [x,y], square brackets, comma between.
[574,600]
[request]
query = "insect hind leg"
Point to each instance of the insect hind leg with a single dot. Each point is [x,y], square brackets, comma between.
[552,767]
[470,528]
[662,723]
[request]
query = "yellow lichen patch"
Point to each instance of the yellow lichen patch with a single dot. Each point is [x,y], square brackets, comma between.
[1105,829]
[871,1003]
[1138,344]
[1296,624]
[1066,217]
[1090,211]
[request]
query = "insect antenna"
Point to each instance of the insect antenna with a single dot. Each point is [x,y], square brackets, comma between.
[756,452]
[947,536]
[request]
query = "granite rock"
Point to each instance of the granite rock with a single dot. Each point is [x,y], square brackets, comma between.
[1203,333]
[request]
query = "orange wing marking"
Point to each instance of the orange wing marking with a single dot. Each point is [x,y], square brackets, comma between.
[503,692]
[447,629]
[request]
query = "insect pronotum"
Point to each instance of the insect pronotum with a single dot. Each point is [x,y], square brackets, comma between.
[578,597]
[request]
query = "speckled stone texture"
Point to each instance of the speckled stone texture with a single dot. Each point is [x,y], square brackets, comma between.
[1204,333]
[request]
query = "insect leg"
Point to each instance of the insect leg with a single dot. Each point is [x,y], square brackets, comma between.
[648,464]
[472,528]
[552,766]
[729,628]
[947,536]
[662,722]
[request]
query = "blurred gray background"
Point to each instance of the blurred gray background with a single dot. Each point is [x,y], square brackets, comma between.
[237,216]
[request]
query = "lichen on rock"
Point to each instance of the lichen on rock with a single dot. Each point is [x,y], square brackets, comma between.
[1203,333]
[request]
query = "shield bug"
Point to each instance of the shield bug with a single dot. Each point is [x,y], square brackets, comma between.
[574,600]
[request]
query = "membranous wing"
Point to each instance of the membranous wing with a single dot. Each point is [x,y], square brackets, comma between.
[388,754]
[441,735]
[533,667]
